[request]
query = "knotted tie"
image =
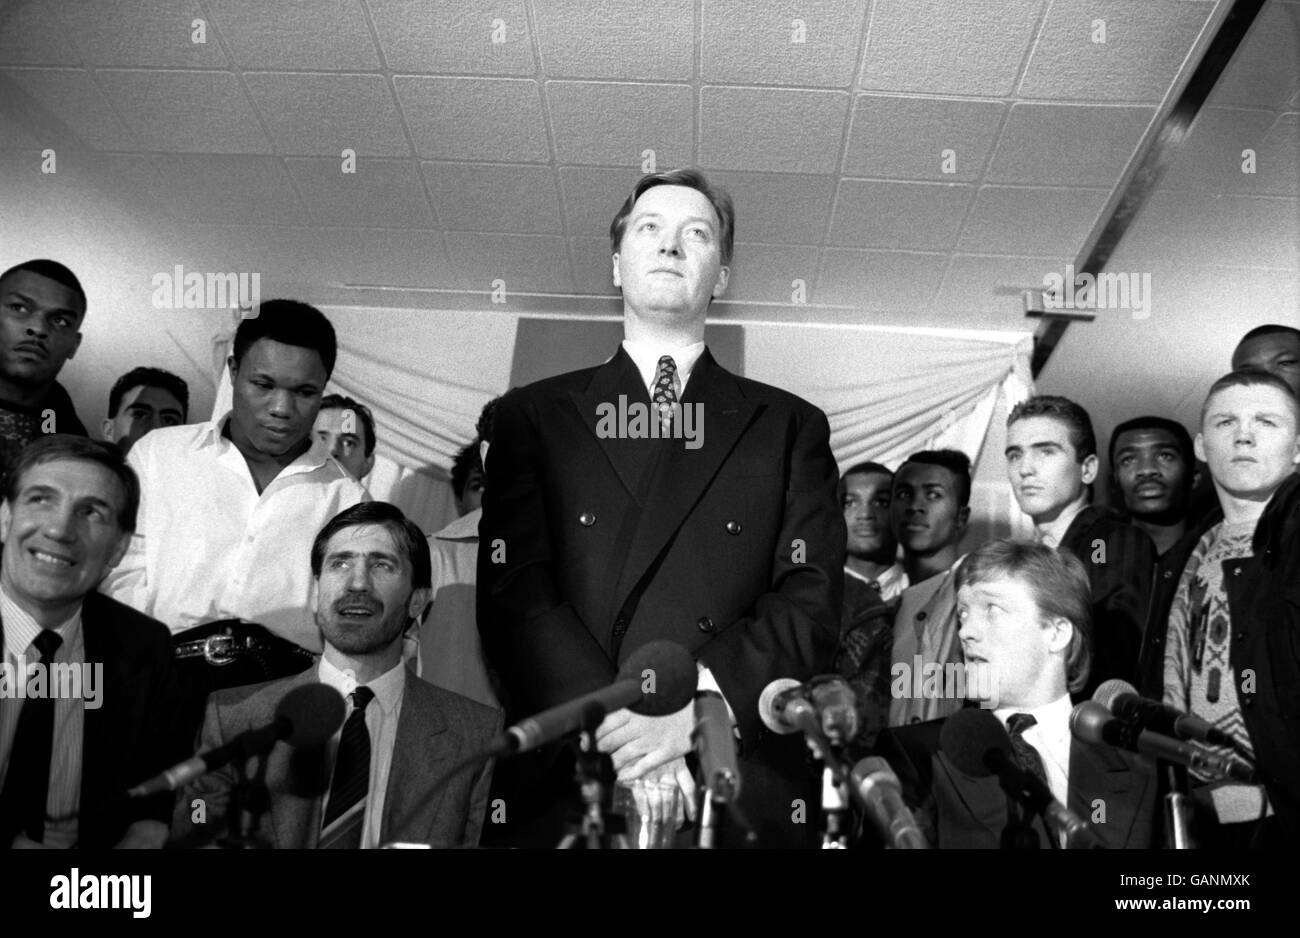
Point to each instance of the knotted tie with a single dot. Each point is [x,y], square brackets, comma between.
[27,784]
[665,392]
[351,767]
[1026,755]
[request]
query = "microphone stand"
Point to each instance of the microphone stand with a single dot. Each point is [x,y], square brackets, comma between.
[835,809]
[249,800]
[1178,829]
[588,772]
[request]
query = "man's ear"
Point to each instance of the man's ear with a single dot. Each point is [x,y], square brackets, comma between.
[420,599]
[482,453]
[232,365]
[1088,469]
[75,345]
[106,429]
[963,516]
[1061,632]
[370,464]
[720,287]
[6,519]
[1198,447]
[618,281]
[119,550]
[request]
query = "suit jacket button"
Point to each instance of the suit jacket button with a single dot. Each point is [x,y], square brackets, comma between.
[705,624]
[920,616]
[586,519]
[733,527]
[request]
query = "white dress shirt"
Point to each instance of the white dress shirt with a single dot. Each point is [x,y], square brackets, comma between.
[646,357]
[207,546]
[63,798]
[892,582]
[1051,737]
[381,724]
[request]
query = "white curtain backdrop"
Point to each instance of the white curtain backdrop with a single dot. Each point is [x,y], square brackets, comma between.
[887,392]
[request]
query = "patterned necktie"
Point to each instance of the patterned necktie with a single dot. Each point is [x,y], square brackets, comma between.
[27,784]
[665,393]
[352,766]
[1026,755]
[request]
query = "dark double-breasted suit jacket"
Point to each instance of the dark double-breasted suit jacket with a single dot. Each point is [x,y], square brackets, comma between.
[422,804]
[1113,790]
[735,548]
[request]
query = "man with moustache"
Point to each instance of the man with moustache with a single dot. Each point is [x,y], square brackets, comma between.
[873,580]
[1154,470]
[228,509]
[383,777]
[42,306]
[1051,463]
[929,512]
[593,546]
[1232,656]
[142,400]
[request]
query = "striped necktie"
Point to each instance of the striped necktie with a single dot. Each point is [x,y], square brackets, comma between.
[27,783]
[351,775]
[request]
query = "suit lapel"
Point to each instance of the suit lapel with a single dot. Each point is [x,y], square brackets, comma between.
[422,753]
[981,799]
[100,726]
[617,378]
[297,780]
[1098,773]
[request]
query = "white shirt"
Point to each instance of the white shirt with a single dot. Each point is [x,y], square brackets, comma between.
[207,546]
[646,357]
[1051,737]
[1053,532]
[63,798]
[381,724]
[892,582]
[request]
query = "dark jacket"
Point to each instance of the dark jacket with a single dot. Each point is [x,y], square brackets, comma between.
[1119,559]
[1264,602]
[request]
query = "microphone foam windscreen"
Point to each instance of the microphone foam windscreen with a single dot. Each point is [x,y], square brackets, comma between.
[314,712]
[1088,721]
[668,673]
[968,735]
[1107,691]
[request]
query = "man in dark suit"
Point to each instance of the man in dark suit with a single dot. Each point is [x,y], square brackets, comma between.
[70,749]
[383,777]
[659,496]
[1023,614]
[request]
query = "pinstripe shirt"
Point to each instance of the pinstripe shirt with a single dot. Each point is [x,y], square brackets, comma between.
[63,800]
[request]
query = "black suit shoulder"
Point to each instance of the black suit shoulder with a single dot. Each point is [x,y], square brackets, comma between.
[128,625]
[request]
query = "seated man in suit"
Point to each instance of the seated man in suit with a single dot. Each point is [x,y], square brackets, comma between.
[1023,613]
[96,674]
[371,784]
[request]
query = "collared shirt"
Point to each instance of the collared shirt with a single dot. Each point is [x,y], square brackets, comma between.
[63,799]
[891,583]
[1053,532]
[449,651]
[207,546]
[1050,735]
[381,724]
[646,357]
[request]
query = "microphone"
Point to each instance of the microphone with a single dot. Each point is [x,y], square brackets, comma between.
[716,746]
[1090,722]
[881,795]
[306,716]
[977,743]
[824,706]
[673,674]
[1121,698]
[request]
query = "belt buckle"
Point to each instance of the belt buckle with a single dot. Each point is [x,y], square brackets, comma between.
[219,650]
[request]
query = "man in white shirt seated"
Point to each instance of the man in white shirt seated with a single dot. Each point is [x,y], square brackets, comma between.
[228,511]
[1023,612]
[386,774]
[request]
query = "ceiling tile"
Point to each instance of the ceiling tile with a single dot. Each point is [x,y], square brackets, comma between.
[769,273]
[1008,220]
[773,131]
[1245,231]
[992,288]
[592,197]
[1279,158]
[1210,157]
[322,115]
[325,35]
[469,37]
[938,47]
[1265,70]
[878,280]
[592,267]
[138,33]
[506,198]
[474,118]
[1145,45]
[385,193]
[385,257]
[1067,145]
[70,96]
[615,39]
[900,137]
[250,190]
[527,263]
[815,42]
[779,208]
[600,122]
[13,136]
[282,255]
[31,33]
[185,112]
[907,215]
